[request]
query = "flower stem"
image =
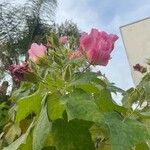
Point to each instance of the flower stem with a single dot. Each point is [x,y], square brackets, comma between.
[87,67]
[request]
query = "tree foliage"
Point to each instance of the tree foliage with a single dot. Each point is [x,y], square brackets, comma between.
[20,25]
[24,24]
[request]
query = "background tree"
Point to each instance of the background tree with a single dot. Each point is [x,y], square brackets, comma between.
[68,28]
[20,25]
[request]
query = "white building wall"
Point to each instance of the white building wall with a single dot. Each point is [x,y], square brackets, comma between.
[136,38]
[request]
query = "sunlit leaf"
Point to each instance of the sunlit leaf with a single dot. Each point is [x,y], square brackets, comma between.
[55,107]
[28,105]
[41,130]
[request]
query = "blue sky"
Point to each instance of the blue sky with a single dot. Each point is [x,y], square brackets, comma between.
[107,15]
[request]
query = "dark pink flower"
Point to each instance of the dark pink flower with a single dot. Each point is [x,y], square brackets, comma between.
[36,52]
[75,54]
[63,39]
[140,68]
[18,71]
[97,46]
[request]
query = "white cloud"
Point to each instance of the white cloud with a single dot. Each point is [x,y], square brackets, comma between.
[79,13]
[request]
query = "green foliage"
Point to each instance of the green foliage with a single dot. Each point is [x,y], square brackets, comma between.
[71,29]
[20,141]
[3,114]
[30,22]
[42,130]
[142,146]
[20,26]
[105,102]
[29,101]
[125,134]
[72,135]
[145,83]
[55,107]
[71,108]
[81,105]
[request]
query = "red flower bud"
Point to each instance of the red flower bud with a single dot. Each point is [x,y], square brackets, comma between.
[63,39]
[18,71]
[139,68]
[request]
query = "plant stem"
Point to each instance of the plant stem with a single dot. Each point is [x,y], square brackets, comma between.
[86,68]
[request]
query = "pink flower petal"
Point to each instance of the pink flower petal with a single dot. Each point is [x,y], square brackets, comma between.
[36,52]
[98,46]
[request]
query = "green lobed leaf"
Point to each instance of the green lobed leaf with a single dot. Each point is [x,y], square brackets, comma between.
[144,115]
[28,105]
[142,146]
[145,83]
[54,40]
[21,140]
[53,81]
[55,107]
[49,148]
[13,132]
[105,102]
[25,89]
[114,89]
[81,105]
[124,135]
[67,73]
[129,97]
[41,130]
[57,59]
[88,82]
[100,136]
[3,114]
[72,135]
[28,144]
